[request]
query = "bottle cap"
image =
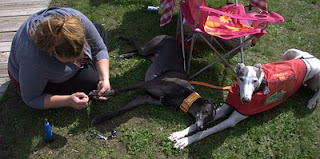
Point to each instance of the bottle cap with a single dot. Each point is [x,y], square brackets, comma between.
[153,8]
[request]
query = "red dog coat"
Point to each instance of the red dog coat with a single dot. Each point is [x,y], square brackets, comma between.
[283,79]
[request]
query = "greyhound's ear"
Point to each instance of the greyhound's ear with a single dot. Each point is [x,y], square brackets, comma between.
[258,65]
[238,67]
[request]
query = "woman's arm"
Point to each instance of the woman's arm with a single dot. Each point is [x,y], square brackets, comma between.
[77,100]
[103,71]
[99,54]
[33,80]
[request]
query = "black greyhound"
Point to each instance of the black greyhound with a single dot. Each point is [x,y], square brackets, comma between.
[165,82]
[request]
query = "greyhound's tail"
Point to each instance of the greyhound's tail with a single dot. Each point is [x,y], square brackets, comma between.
[133,41]
[108,116]
[115,92]
[102,118]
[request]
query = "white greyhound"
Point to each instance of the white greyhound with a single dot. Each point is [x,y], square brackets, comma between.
[255,81]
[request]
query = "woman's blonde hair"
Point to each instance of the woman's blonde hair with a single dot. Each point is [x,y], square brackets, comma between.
[61,36]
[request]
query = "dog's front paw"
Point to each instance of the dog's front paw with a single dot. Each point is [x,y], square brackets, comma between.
[176,135]
[109,93]
[182,143]
[312,104]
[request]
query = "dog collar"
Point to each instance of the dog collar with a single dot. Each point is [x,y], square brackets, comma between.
[186,104]
[263,86]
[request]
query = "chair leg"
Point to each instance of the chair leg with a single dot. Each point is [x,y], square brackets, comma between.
[222,57]
[217,52]
[204,68]
[216,41]
[182,39]
[241,49]
[194,36]
[178,25]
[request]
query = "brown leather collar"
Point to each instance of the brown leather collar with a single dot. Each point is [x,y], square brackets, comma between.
[186,104]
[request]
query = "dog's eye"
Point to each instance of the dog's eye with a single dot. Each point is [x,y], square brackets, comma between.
[241,79]
[254,81]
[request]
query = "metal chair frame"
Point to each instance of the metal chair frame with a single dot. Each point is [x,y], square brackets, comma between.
[194,37]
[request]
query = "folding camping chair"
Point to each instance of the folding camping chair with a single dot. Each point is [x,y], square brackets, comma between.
[228,22]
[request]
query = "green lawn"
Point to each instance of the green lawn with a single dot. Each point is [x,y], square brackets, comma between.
[288,131]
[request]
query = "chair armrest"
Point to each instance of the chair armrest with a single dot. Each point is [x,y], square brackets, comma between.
[270,17]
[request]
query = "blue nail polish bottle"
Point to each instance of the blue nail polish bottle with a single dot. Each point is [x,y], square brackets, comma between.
[47,129]
[113,133]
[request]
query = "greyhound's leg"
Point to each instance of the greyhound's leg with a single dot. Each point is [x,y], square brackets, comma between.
[180,134]
[221,112]
[313,101]
[115,92]
[179,81]
[128,54]
[230,122]
[138,101]
[291,54]
[313,84]
[295,54]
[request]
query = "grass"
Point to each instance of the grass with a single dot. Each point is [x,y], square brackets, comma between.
[288,131]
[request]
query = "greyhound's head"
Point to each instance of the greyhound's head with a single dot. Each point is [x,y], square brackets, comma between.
[205,114]
[249,80]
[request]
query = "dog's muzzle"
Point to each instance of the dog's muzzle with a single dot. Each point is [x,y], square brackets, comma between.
[245,100]
[200,126]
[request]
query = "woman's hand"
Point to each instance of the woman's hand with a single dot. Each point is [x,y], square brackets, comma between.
[78,100]
[104,83]
[103,86]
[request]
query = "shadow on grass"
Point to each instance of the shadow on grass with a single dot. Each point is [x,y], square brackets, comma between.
[21,125]
[59,141]
[144,29]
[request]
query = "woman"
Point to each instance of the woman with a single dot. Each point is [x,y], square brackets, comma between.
[57,57]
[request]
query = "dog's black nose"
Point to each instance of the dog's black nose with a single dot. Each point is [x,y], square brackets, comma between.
[201,128]
[245,100]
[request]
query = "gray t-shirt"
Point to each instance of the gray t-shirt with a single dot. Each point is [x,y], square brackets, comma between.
[34,68]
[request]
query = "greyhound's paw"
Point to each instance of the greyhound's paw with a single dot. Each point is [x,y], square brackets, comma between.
[109,93]
[182,143]
[312,104]
[176,135]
